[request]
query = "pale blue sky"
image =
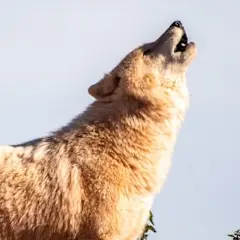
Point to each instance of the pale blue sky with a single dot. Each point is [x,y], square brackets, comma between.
[51,51]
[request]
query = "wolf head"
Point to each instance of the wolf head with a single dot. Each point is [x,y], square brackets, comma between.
[149,69]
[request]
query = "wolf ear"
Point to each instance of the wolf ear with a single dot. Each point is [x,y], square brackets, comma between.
[105,87]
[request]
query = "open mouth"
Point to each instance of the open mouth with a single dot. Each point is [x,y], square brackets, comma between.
[181,46]
[155,47]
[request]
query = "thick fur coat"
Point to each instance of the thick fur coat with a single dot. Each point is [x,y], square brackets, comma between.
[96,178]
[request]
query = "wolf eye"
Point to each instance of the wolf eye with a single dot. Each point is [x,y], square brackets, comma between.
[147,51]
[117,79]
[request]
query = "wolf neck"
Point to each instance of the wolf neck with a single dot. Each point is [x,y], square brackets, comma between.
[151,140]
[165,116]
[142,137]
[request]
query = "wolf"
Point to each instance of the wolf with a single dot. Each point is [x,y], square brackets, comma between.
[96,177]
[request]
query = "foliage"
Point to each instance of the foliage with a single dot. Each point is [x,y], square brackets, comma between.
[235,235]
[149,228]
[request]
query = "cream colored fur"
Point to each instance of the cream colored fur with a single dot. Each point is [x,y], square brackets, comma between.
[96,178]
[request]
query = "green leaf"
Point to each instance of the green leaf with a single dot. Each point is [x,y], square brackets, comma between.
[149,227]
[235,235]
[151,218]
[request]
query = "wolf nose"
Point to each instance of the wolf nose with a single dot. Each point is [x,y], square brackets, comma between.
[177,24]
